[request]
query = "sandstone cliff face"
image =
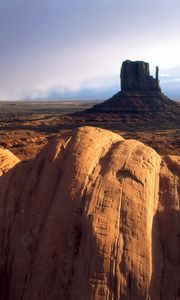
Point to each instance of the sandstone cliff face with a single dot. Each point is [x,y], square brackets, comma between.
[94,216]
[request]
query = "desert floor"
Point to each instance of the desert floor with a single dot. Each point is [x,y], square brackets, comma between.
[25,127]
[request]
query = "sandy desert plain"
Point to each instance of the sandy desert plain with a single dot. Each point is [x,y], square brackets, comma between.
[26,126]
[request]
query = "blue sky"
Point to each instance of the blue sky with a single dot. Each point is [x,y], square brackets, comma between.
[74,48]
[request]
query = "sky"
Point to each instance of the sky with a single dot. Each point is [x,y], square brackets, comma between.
[73,49]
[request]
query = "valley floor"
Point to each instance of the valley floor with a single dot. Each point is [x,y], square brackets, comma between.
[26,127]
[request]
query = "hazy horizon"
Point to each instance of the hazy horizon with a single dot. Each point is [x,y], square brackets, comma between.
[73,50]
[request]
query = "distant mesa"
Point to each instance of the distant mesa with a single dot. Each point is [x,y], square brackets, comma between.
[140,95]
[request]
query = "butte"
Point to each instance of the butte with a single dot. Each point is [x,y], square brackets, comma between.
[140,98]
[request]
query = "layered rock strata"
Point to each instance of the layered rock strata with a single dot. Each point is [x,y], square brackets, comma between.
[94,216]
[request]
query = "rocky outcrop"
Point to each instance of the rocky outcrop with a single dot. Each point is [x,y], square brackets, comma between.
[140,96]
[94,216]
[135,76]
[7,160]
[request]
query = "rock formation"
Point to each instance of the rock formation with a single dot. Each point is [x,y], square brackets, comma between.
[94,216]
[7,160]
[140,96]
[135,76]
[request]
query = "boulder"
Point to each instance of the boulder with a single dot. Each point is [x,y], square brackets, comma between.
[93,216]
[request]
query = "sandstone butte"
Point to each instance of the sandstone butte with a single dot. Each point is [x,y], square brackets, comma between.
[140,96]
[93,216]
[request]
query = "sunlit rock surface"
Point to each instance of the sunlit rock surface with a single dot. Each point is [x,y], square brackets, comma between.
[7,160]
[94,216]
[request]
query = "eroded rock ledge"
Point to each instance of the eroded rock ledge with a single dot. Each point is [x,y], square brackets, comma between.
[94,216]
